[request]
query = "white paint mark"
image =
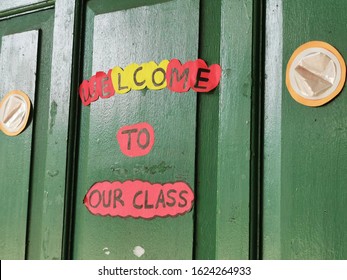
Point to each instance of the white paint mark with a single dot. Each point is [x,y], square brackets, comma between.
[138,251]
[106,251]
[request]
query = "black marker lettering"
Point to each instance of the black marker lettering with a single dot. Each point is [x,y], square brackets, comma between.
[184,74]
[143,131]
[104,203]
[134,200]
[119,83]
[161,200]
[99,199]
[202,79]
[117,196]
[147,206]
[139,84]
[129,131]
[182,199]
[84,92]
[173,200]
[153,77]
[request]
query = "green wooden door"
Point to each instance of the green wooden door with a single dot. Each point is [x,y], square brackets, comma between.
[268,173]
[200,139]
[119,33]
[34,37]
[305,194]
[26,42]
[65,150]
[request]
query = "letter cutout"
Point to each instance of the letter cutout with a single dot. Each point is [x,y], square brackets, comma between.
[137,75]
[107,89]
[84,93]
[139,199]
[178,76]
[204,78]
[195,75]
[136,140]
[95,87]
[156,75]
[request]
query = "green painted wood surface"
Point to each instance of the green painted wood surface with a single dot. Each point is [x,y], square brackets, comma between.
[234,154]
[118,36]
[217,135]
[305,194]
[18,57]
[12,4]
[272,131]
[46,231]
[224,133]
[48,162]
[19,165]
[207,137]
[16,9]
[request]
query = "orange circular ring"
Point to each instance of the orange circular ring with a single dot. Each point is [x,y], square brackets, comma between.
[317,102]
[27,101]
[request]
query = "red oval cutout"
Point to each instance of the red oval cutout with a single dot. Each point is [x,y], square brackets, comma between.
[136,140]
[139,199]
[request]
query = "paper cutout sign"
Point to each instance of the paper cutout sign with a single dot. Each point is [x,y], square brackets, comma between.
[195,75]
[14,112]
[136,140]
[139,199]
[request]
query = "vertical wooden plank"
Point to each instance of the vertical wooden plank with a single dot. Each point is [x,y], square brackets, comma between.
[207,137]
[46,237]
[163,31]
[234,154]
[18,62]
[309,219]
[272,131]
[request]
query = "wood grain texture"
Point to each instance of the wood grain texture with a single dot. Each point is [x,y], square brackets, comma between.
[234,131]
[57,134]
[145,33]
[306,193]
[42,21]
[207,137]
[12,4]
[224,133]
[272,130]
[18,63]
[48,162]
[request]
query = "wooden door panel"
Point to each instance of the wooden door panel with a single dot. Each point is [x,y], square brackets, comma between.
[36,57]
[305,148]
[18,67]
[118,38]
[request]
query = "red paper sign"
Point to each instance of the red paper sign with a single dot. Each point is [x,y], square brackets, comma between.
[195,75]
[139,199]
[204,78]
[178,77]
[136,140]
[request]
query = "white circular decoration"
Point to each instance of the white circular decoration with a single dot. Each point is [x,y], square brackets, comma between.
[316,73]
[14,112]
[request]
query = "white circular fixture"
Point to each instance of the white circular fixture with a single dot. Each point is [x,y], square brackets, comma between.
[316,73]
[14,112]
